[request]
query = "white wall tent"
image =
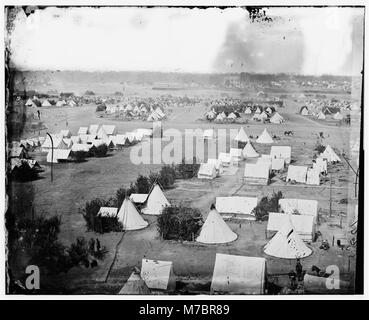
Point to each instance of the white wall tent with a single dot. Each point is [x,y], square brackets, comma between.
[265,138]
[249,151]
[129,216]
[276,118]
[242,136]
[313,177]
[265,161]
[320,164]
[65,133]
[296,173]
[321,116]
[207,171]
[303,224]
[135,285]
[256,173]
[277,164]
[138,197]
[75,139]
[108,211]
[225,159]
[58,143]
[239,207]
[304,111]
[281,152]
[57,155]
[287,244]
[217,164]
[238,275]
[93,129]
[236,155]
[303,206]
[158,275]
[110,130]
[82,130]
[215,230]
[156,201]
[81,147]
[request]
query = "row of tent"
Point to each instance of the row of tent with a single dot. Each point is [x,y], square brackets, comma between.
[64,143]
[320,115]
[47,103]
[264,138]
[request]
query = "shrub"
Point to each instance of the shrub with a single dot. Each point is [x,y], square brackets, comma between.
[99,151]
[167,176]
[98,223]
[187,170]
[100,107]
[89,93]
[79,156]
[179,223]
[319,148]
[266,205]
[142,184]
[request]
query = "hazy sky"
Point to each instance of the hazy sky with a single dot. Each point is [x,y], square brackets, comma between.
[300,40]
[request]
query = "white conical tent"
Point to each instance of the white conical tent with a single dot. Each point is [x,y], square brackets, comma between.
[215,230]
[129,216]
[242,136]
[265,137]
[330,155]
[249,151]
[276,118]
[156,201]
[287,244]
[135,285]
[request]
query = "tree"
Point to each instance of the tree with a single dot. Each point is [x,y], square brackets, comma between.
[187,170]
[99,151]
[167,176]
[89,93]
[179,223]
[79,156]
[266,205]
[142,184]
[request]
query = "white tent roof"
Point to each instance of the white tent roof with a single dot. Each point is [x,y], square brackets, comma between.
[215,230]
[207,169]
[248,110]
[225,157]
[82,130]
[330,155]
[304,111]
[135,285]
[138,197]
[242,136]
[321,115]
[58,154]
[29,102]
[129,216]
[338,116]
[297,173]
[303,224]
[158,274]
[257,170]
[238,274]
[276,118]
[265,137]
[283,152]
[109,129]
[287,244]
[313,177]
[81,147]
[75,139]
[236,205]
[58,142]
[65,133]
[277,164]
[303,206]
[249,151]
[93,128]
[156,201]
[46,103]
[236,153]
[108,211]
[320,164]
[216,162]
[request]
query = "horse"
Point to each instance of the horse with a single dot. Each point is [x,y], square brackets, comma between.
[288,133]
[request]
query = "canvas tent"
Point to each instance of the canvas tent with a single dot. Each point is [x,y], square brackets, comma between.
[135,285]
[57,143]
[303,224]
[207,171]
[257,174]
[129,216]
[297,174]
[138,197]
[304,111]
[303,206]
[330,155]
[248,110]
[238,207]
[57,155]
[313,177]
[110,130]
[93,129]
[155,202]
[242,136]
[215,230]
[265,137]
[287,244]
[225,159]
[276,118]
[46,103]
[236,155]
[277,164]
[320,164]
[29,103]
[321,116]
[338,116]
[249,151]
[81,147]
[158,275]
[235,274]
[217,164]
[281,152]
[82,130]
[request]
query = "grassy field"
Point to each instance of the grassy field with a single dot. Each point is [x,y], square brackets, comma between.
[74,184]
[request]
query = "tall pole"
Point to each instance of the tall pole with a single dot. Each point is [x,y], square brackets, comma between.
[330,197]
[52,154]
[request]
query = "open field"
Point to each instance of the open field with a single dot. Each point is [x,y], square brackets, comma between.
[74,184]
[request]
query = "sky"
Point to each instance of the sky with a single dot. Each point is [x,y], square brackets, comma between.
[310,41]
